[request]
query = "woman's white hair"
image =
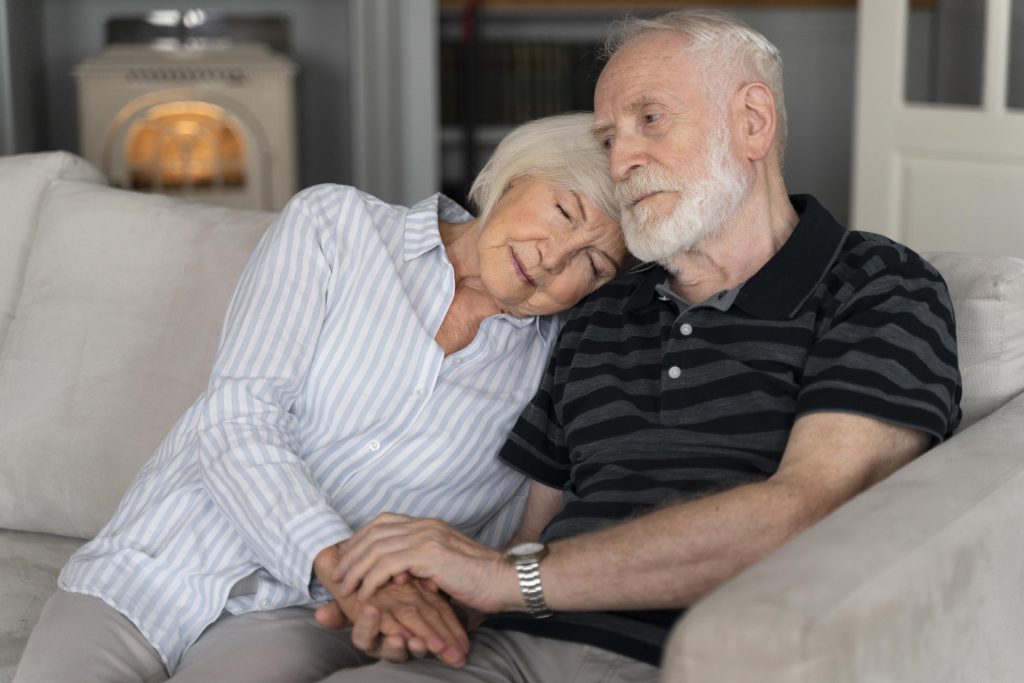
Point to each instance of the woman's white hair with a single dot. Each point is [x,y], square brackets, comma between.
[560,149]
[724,47]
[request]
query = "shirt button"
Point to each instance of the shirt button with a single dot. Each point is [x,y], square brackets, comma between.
[674,372]
[420,391]
[374,445]
[264,604]
[686,329]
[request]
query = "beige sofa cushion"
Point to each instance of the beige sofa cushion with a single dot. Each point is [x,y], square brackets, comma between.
[988,299]
[23,180]
[119,317]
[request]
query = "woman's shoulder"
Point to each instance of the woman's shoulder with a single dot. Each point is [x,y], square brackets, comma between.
[332,198]
[342,210]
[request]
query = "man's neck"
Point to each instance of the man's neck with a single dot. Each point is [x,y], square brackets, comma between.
[750,238]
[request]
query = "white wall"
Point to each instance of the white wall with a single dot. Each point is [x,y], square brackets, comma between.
[819,55]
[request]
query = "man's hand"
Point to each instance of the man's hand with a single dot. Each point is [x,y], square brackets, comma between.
[430,549]
[406,617]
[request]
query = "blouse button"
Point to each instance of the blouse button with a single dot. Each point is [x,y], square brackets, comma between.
[374,445]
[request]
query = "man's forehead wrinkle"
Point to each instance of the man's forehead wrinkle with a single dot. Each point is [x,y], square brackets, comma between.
[630,107]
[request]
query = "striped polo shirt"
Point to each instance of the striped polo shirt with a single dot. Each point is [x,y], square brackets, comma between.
[329,402]
[648,401]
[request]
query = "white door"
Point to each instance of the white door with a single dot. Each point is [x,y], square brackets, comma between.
[937,177]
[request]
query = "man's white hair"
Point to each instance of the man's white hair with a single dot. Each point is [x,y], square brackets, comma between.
[724,47]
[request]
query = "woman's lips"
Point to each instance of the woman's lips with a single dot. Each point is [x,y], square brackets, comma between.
[520,269]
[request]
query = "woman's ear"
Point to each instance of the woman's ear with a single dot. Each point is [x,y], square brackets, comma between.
[757,107]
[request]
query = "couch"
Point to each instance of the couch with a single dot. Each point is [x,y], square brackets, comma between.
[110,309]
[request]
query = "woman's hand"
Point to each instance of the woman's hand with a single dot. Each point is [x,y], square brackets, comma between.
[392,545]
[407,617]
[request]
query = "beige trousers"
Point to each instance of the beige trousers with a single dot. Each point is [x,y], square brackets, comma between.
[80,638]
[511,657]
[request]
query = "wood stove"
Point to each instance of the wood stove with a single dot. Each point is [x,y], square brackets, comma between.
[213,122]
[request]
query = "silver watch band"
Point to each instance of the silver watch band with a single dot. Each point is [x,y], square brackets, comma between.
[529,583]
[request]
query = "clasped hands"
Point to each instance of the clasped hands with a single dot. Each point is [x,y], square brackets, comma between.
[389,580]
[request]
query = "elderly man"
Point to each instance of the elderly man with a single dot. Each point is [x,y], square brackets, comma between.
[696,414]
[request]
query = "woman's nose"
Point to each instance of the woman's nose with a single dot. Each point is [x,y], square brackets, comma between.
[558,250]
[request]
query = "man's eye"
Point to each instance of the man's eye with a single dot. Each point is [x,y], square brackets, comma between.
[562,211]
[607,143]
[651,118]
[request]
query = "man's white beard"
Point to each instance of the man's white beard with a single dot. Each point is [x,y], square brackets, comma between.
[703,206]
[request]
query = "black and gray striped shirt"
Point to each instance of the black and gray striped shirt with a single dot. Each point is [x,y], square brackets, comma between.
[647,401]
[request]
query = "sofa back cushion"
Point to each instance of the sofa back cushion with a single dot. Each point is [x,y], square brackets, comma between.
[119,317]
[23,181]
[988,300]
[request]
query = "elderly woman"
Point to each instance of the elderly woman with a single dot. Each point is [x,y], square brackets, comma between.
[373,359]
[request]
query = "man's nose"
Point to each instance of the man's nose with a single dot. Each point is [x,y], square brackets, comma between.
[626,153]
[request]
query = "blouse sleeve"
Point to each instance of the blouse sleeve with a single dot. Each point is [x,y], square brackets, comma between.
[247,435]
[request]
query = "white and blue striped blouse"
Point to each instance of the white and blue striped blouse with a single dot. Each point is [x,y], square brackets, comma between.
[329,402]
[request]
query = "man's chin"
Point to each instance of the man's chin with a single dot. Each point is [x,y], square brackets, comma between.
[651,243]
[651,251]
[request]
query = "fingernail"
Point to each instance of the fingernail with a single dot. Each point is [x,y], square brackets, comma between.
[453,657]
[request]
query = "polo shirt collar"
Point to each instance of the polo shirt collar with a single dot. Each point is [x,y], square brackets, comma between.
[645,292]
[781,287]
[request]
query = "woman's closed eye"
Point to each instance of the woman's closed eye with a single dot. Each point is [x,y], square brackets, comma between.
[561,210]
[603,265]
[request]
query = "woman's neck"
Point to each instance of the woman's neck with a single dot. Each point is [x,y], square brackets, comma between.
[460,244]
[471,302]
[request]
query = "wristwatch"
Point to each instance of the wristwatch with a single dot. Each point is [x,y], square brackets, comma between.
[526,557]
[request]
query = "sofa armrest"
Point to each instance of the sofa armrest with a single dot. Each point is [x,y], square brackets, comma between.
[919,578]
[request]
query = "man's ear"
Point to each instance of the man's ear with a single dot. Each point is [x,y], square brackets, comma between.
[756,105]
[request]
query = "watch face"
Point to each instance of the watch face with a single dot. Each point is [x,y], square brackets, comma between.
[525,549]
